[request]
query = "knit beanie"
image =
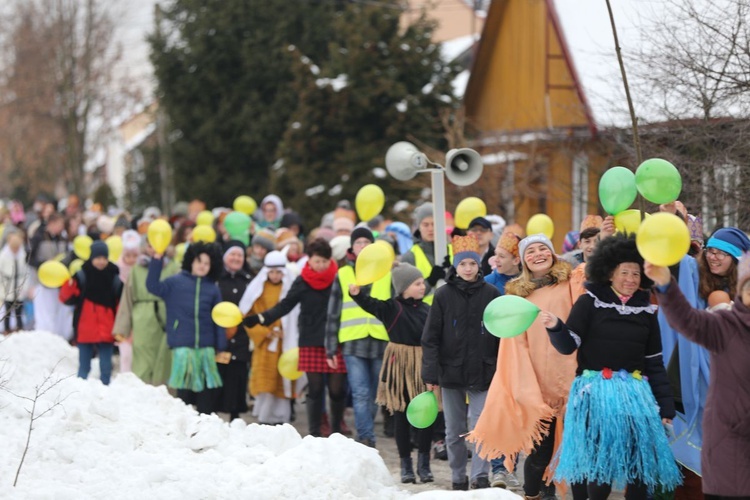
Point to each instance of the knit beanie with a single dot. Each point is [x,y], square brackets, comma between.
[571,240]
[730,240]
[264,239]
[343,224]
[231,245]
[465,247]
[535,238]
[339,246]
[99,249]
[131,240]
[403,275]
[361,232]
[423,211]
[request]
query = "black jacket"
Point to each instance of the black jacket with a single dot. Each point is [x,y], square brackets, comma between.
[312,313]
[232,286]
[609,334]
[403,318]
[457,351]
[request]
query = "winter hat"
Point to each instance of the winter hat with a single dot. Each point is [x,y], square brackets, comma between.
[231,245]
[730,240]
[422,212]
[516,229]
[322,232]
[343,225]
[695,225]
[465,247]
[535,238]
[403,275]
[265,239]
[275,259]
[360,232]
[571,239]
[339,246]
[99,249]
[509,242]
[122,221]
[105,224]
[131,240]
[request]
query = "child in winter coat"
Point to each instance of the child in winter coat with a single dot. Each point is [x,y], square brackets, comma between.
[459,356]
[192,335]
[14,279]
[95,292]
[272,392]
[400,381]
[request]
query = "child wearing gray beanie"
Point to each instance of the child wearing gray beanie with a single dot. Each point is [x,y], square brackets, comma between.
[404,316]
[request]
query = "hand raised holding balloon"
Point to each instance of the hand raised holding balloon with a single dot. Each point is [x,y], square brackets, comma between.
[670,207]
[353,290]
[549,320]
[658,274]
[608,227]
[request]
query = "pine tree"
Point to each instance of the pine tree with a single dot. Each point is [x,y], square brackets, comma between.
[379,86]
[224,75]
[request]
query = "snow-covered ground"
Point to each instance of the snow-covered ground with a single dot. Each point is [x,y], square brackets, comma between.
[132,440]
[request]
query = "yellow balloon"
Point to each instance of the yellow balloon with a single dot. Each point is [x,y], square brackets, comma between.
[373,262]
[387,247]
[53,274]
[82,246]
[628,221]
[467,210]
[179,252]
[159,235]
[663,239]
[244,204]
[204,233]
[369,201]
[114,243]
[205,218]
[540,223]
[226,314]
[75,266]
[288,363]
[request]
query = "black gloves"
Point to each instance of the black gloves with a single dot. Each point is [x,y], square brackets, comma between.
[251,321]
[438,272]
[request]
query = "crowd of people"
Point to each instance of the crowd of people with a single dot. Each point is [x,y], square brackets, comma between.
[633,376]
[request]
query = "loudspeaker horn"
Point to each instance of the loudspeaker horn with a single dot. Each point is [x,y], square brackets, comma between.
[463,166]
[404,161]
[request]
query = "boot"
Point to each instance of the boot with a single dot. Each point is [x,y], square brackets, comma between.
[407,471]
[423,468]
[337,417]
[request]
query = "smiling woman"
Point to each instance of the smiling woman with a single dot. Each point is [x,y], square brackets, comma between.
[532,379]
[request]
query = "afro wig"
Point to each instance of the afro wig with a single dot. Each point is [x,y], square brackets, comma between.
[610,253]
[210,249]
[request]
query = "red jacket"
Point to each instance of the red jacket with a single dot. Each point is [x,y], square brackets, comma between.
[93,322]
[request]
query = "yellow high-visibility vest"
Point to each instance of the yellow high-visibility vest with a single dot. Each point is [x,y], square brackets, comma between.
[356,323]
[423,264]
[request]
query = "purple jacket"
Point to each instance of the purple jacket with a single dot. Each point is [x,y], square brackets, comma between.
[725,457]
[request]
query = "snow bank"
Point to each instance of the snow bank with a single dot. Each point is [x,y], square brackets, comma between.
[132,440]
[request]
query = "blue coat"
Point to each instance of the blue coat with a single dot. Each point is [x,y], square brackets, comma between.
[189,301]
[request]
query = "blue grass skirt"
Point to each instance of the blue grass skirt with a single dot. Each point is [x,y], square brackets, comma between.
[194,369]
[613,433]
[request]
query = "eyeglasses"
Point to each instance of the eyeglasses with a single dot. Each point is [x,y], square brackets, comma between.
[716,254]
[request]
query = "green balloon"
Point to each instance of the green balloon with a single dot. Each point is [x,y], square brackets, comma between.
[658,181]
[617,190]
[509,316]
[236,223]
[422,410]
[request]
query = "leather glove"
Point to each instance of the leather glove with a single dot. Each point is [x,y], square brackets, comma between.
[251,321]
